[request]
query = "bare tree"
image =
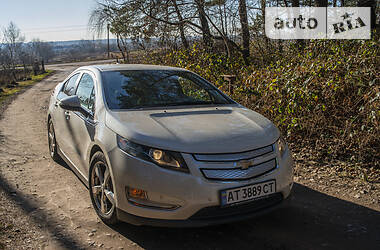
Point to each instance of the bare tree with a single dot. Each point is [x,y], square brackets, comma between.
[204,22]
[13,41]
[169,21]
[181,24]
[43,50]
[244,28]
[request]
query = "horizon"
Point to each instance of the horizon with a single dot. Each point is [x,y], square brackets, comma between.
[56,21]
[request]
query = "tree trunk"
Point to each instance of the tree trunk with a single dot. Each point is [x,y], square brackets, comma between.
[263,4]
[181,25]
[43,66]
[372,4]
[321,3]
[300,42]
[204,23]
[244,28]
[125,48]
[280,45]
[119,46]
[25,69]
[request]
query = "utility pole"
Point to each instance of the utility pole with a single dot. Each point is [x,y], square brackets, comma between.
[108,40]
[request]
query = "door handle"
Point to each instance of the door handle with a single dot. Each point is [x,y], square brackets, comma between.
[67,115]
[56,104]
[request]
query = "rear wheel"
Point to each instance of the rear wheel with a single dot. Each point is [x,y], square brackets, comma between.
[52,142]
[101,189]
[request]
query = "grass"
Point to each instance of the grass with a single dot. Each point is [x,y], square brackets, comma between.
[8,92]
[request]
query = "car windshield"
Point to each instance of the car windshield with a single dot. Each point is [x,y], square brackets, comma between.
[158,88]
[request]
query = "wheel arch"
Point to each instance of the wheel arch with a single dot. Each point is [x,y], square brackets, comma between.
[96,147]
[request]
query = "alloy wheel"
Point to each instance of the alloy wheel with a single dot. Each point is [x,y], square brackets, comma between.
[52,141]
[102,189]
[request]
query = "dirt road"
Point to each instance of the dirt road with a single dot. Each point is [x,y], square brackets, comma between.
[45,206]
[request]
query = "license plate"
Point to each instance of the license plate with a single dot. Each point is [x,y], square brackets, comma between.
[251,192]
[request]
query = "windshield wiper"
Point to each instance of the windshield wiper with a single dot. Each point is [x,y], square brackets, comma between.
[191,103]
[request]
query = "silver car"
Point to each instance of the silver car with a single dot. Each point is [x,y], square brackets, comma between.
[162,146]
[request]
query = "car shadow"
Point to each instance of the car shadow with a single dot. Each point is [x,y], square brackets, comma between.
[313,220]
[38,216]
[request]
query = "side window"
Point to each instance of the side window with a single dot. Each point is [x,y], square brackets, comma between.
[69,88]
[85,92]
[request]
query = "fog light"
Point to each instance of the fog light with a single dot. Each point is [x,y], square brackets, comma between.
[139,197]
[136,193]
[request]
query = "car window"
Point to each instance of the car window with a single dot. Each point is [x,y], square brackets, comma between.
[85,92]
[158,88]
[69,88]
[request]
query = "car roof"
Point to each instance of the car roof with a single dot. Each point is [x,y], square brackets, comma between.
[119,67]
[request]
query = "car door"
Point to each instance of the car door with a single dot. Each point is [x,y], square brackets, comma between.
[82,124]
[60,115]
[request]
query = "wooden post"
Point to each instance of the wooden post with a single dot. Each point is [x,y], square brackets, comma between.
[43,66]
[230,79]
[36,67]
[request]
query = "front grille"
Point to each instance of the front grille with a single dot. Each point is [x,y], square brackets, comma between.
[240,174]
[234,156]
[239,209]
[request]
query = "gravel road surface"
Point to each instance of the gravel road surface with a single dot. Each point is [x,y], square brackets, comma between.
[45,206]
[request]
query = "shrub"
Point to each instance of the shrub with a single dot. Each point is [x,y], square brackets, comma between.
[326,97]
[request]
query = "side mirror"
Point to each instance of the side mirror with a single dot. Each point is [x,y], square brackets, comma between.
[71,103]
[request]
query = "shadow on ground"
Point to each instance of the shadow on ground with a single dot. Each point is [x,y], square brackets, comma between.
[38,216]
[313,221]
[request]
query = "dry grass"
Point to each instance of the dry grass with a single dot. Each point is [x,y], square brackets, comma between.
[8,92]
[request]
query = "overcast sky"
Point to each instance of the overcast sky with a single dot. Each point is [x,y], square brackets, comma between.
[49,20]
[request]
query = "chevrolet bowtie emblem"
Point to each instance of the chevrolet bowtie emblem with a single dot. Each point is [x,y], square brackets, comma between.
[244,164]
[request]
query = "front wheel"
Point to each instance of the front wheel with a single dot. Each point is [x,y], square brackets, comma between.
[52,142]
[101,189]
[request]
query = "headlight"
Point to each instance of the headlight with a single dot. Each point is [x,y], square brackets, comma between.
[281,144]
[163,158]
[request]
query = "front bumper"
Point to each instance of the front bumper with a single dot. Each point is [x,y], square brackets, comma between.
[198,220]
[192,193]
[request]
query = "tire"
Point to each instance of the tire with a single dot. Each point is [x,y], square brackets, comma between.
[102,190]
[53,146]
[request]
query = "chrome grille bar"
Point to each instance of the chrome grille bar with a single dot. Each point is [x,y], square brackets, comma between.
[240,174]
[234,156]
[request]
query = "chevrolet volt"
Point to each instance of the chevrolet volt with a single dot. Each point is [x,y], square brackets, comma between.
[162,146]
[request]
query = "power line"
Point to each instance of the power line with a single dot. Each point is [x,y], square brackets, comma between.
[55,31]
[56,27]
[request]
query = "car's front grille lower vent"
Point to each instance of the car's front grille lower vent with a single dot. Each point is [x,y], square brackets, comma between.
[238,173]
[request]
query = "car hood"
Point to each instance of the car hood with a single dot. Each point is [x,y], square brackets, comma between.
[223,129]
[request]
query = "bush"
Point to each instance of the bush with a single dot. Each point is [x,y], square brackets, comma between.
[326,97]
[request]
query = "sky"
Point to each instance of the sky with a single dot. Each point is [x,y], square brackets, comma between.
[49,20]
